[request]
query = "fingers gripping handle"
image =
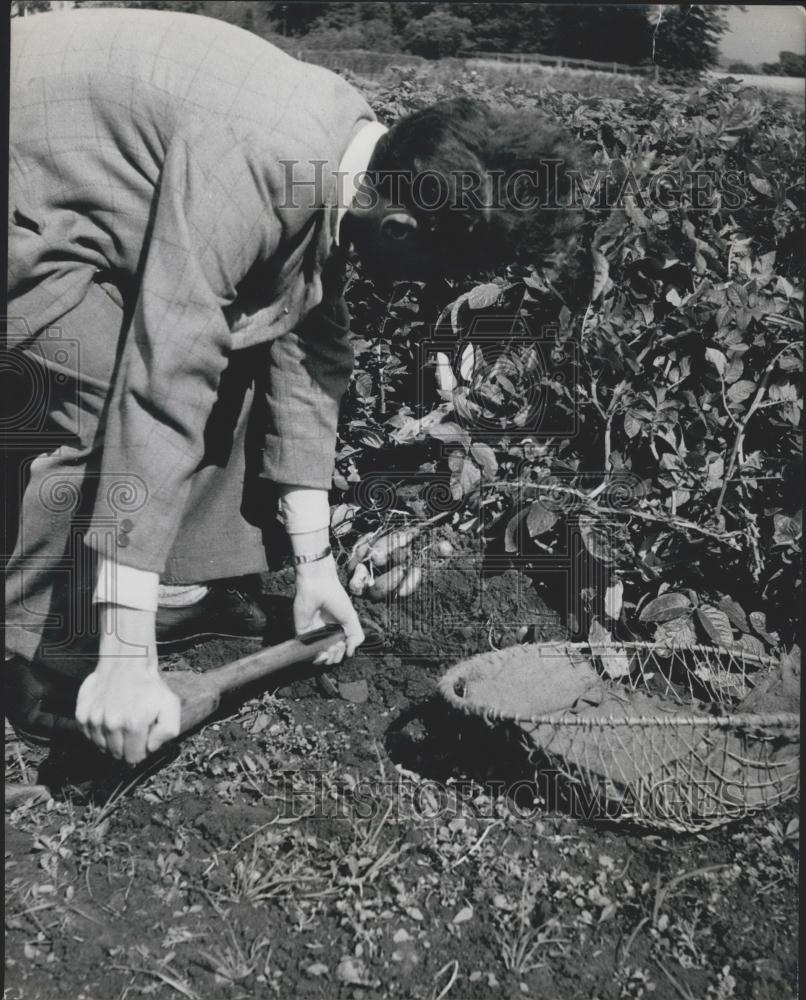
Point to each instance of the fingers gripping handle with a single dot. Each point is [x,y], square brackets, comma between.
[200,694]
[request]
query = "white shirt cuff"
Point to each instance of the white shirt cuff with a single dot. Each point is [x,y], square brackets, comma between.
[304,509]
[126,586]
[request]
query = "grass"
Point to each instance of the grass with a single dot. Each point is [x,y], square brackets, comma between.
[233,962]
[299,872]
[523,945]
[534,77]
[487,75]
[495,76]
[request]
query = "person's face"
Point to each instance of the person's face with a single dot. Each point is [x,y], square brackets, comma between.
[391,245]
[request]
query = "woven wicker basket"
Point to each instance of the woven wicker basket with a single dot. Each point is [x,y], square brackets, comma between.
[666,747]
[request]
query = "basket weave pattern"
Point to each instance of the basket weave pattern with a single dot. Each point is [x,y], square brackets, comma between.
[666,746]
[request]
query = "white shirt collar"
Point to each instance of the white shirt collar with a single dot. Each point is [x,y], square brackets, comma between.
[353,164]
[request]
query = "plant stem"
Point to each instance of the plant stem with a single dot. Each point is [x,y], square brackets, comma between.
[381,381]
[607,415]
[739,439]
[678,523]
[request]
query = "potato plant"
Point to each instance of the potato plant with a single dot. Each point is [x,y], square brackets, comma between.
[672,437]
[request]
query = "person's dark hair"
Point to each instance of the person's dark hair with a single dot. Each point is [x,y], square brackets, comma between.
[491,185]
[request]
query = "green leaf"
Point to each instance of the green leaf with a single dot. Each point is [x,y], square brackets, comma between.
[781,392]
[455,307]
[596,538]
[758,622]
[471,360]
[787,529]
[735,613]
[483,296]
[456,460]
[792,412]
[716,471]
[370,438]
[465,480]
[613,658]
[512,531]
[675,634]
[715,625]
[601,273]
[740,391]
[485,456]
[765,263]
[789,363]
[613,600]
[615,662]
[735,369]
[341,518]
[762,185]
[446,380]
[363,384]
[539,520]
[632,425]
[666,608]
[448,431]
[752,645]
[717,359]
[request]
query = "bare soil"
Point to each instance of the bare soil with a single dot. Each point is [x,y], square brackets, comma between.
[302,846]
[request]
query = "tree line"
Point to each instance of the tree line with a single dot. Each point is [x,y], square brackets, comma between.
[675,37]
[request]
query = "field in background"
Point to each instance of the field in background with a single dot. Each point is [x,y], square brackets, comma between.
[378,68]
[790,85]
[360,61]
[497,72]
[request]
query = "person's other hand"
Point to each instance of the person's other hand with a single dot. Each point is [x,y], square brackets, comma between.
[124,706]
[320,599]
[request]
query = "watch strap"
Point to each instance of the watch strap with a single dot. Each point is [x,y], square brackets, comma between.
[309,557]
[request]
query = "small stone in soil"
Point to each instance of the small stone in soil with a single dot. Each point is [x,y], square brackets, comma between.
[354,691]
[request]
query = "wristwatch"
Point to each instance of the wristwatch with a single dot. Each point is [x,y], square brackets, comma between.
[309,557]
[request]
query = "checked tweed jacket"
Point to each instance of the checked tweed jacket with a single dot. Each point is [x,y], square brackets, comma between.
[191,166]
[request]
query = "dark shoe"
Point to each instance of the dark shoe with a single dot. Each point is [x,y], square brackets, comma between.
[40,703]
[228,611]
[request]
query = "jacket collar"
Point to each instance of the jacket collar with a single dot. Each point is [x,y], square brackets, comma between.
[351,168]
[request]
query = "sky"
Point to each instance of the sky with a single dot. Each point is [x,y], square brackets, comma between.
[760,32]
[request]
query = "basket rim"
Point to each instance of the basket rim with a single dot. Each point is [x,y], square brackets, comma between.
[737,719]
[736,650]
[782,720]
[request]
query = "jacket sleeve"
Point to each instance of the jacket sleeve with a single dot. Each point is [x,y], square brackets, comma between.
[213,220]
[309,371]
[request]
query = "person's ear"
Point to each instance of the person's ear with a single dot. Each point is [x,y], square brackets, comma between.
[398,226]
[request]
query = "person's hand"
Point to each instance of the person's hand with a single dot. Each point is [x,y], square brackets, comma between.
[124,706]
[320,599]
